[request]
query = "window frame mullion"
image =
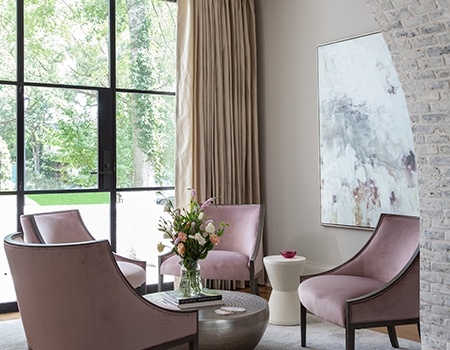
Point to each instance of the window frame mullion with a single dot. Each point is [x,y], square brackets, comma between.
[20,110]
[112,121]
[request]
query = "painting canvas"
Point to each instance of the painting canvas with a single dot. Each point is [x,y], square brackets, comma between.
[367,160]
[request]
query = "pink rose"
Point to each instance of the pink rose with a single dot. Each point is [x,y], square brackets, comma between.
[182,236]
[214,238]
[181,249]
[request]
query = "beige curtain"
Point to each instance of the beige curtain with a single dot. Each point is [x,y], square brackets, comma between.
[217,121]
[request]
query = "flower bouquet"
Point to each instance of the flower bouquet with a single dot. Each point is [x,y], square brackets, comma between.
[191,235]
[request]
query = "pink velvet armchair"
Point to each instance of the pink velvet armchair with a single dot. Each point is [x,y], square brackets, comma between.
[67,226]
[378,287]
[72,296]
[239,254]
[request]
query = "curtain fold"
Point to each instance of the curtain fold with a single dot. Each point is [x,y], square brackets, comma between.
[217,120]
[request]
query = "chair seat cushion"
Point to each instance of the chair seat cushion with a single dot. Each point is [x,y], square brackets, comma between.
[134,274]
[325,296]
[219,264]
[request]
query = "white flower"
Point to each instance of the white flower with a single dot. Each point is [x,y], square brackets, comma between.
[200,216]
[210,228]
[199,238]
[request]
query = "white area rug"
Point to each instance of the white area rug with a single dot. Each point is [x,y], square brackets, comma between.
[12,336]
[322,335]
[319,335]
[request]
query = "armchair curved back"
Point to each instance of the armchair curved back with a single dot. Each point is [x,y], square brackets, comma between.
[73,296]
[29,232]
[65,226]
[392,245]
[238,256]
[245,222]
[379,286]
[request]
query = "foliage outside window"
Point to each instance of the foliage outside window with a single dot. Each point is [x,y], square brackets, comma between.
[66,62]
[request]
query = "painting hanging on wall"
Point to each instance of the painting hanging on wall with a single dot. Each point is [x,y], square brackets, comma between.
[367,160]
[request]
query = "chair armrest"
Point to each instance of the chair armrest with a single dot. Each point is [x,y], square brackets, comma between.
[162,258]
[345,268]
[19,237]
[140,263]
[387,223]
[260,233]
[334,271]
[398,299]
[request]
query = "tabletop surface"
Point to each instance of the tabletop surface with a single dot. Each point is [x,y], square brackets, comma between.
[280,259]
[250,302]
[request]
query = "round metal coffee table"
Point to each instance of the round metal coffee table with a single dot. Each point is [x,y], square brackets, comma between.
[240,331]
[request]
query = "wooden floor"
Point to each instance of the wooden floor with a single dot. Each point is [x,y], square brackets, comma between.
[409,332]
[9,316]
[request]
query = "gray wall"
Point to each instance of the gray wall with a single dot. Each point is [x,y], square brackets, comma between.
[288,33]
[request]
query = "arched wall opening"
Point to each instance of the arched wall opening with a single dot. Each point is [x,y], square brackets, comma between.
[417,34]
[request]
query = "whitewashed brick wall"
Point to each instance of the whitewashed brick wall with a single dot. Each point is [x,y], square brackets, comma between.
[417,33]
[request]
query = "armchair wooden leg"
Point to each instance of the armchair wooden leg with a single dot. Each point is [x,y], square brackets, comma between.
[143,288]
[254,287]
[349,337]
[160,282]
[193,345]
[303,325]
[393,336]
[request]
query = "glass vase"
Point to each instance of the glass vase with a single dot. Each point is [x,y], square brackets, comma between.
[190,280]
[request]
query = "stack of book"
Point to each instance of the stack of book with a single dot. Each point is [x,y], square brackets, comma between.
[206,298]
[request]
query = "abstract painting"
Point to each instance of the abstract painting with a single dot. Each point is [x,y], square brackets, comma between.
[367,160]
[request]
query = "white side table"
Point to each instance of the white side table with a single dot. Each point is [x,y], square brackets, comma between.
[284,275]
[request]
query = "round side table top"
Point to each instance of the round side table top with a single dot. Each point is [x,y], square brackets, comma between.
[278,259]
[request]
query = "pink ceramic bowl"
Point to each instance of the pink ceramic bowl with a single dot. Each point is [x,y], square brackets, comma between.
[288,253]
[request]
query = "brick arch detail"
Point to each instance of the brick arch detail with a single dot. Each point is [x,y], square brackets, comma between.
[417,33]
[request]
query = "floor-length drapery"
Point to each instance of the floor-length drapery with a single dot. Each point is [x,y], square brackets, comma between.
[217,121]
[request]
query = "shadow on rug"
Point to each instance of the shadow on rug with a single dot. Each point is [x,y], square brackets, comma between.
[319,335]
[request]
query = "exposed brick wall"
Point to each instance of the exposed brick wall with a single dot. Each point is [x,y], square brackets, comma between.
[417,33]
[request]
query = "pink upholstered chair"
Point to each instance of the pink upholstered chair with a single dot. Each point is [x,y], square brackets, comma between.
[72,296]
[67,226]
[378,287]
[239,254]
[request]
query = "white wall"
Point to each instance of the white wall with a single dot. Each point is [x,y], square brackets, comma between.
[288,33]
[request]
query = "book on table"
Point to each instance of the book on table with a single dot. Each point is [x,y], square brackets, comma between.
[206,295]
[193,305]
[206,298]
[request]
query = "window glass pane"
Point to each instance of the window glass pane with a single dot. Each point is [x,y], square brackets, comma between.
[8,224]
[145,140]
[66,42]
[138,215]
[8,56]
[93,207]
[146,37]
[60,139]
[8,138]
